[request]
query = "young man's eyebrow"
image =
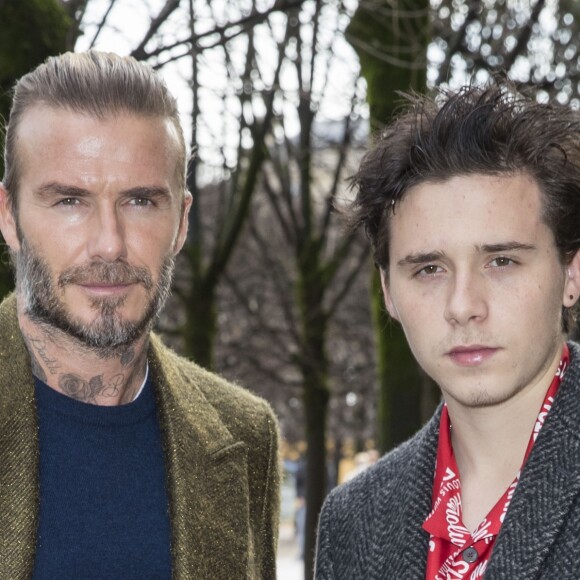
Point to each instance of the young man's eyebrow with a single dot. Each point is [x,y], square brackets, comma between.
[504,247]
[425,257]
[420,258]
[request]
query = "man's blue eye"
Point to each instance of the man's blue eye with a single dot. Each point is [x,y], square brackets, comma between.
[142,201]
[68,201]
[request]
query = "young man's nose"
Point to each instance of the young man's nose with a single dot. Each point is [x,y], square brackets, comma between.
[466,300]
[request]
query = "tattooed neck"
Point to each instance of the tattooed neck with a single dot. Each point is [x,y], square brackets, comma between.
[66,366]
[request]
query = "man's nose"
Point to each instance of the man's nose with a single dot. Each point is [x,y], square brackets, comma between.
[107,238]
[467,299]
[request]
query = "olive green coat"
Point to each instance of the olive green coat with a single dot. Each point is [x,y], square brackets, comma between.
[221,460]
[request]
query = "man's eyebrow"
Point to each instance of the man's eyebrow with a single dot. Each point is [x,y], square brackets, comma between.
[55,188]
[505,247]
[147,191]
[421,258]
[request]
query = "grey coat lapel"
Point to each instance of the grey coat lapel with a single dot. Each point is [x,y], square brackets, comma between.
[407,552]
[550,482]
[414,544]
[207,477]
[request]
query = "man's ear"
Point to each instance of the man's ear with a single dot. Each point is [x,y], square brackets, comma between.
[183,222]
[572,283]
[7,220]
[389,304]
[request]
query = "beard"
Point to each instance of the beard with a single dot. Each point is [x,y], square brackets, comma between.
[108,332]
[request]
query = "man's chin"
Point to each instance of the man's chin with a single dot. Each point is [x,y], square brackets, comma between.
[111,330]
[106,334]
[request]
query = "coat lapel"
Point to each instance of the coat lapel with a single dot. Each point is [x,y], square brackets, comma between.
[18,451]
[207,477]
[406,553]
[419,490]
[549,484]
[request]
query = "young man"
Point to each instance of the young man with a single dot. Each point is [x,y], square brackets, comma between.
[118,459]
[473,211]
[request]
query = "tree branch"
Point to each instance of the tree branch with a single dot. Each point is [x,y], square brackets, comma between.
[224,32]
[456,43]
[169,7]
[225,246]
[523,36]
[102,23]
[281,290]
[339,297]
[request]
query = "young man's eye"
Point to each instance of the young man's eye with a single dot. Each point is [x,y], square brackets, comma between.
[502,262]
[429,270]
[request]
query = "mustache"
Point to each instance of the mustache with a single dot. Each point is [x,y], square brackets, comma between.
[106,273]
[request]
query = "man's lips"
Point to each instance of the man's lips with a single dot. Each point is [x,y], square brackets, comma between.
[100,288]
[471,355]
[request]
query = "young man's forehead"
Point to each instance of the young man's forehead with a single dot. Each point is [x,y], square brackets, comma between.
[474,186]
[480,211]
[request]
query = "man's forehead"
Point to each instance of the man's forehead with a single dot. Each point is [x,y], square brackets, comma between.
[56,143]
[43,127]
[51,114]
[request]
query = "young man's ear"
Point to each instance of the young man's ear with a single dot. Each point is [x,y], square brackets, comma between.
[7,220]
[572,283]
[389,304]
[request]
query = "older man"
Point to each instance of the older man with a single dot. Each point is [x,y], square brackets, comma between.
[118,459]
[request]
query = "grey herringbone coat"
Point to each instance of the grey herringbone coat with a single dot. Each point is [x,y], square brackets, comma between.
[370,528]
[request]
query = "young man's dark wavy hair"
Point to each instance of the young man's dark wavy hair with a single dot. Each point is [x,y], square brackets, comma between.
[489,130]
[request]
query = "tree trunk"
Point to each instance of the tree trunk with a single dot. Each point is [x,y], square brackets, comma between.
[315,408]
[400,379]
[314,369]
[200,327]
[405,27]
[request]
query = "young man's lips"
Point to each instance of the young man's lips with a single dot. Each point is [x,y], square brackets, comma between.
[471,355]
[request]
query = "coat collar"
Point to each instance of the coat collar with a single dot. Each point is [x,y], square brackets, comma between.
[419,490]
[549,484]
[206,467]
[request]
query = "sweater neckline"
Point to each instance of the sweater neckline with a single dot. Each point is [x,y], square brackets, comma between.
[138,410]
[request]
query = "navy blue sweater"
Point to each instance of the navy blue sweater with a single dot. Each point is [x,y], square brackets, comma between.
[103,497]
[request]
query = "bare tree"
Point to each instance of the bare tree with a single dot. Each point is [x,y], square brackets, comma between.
[295,267]
[391,39]
[533,42]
